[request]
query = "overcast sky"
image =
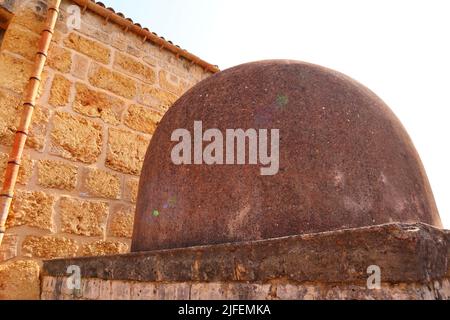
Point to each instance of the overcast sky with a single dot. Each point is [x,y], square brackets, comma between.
[399,49]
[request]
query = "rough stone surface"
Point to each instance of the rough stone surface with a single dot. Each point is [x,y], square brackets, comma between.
[100,183]
[345,161]
[104,248]
[19,280]
[126,151]
[413,259]
[156,98]
[30,18]
[97,104]
[135,68]
[57,175]
[92,49]
[170,82]
[404,252]
[59,59]
[142,119]
[15,72]
[10,110]
[131,190]
[8,116]
[76,138]
[18,39]
[121,224]
[115,82]
[49,247]
[33,209]
[60,91]
[83,217]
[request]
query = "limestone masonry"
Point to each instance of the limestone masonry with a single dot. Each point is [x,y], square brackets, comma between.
[103,94]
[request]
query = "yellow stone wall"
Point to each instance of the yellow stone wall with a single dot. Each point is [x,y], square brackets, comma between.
[103,93]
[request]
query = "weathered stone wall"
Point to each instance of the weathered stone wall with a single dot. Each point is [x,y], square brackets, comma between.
[103,92]
[412,262]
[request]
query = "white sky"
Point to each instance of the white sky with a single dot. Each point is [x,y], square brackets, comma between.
[399,49]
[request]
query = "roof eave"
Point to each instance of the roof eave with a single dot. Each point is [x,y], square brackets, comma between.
[128,24]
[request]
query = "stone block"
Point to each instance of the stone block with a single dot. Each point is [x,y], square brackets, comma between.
[76,138]
[131,190]
[121,223]
[15,72]
[19,280]
[57,175]
[104,248]
[33,209]
[126,151]
[98,104]
[18,40]
[102,184]
[49,247]
[156,98]
[59,59]
[142,118]
[88,47]
[135,68]
[60,91]
[80,217]
[10,112]
[112,81]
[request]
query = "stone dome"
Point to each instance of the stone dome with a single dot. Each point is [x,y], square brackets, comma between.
[345,161]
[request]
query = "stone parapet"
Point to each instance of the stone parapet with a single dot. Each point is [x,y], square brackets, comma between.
[413,260]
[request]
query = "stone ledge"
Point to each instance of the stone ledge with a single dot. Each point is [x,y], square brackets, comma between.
[97,289]
[406,253]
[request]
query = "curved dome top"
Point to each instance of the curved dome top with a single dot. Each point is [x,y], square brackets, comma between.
[345,161]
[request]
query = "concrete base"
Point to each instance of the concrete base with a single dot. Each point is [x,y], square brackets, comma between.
[412,258]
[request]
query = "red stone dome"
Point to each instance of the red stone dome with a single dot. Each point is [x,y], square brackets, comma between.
[345,161]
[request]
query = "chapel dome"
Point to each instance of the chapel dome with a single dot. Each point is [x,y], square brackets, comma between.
[345,161]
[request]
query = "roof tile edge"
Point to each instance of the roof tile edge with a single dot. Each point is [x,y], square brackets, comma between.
[118,18]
